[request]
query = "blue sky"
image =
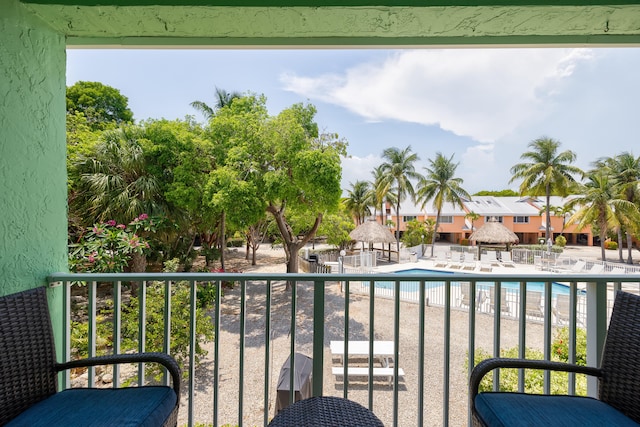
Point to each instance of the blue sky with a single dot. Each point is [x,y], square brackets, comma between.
[483,105]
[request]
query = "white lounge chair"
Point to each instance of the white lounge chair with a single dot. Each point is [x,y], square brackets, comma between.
[465,296]
[456,260]
[596,268]
[491,256]
[576,268]
[485,263]
[441,260]
[469,262]
[534,304]
[505,258]
[618,270]
[562,310]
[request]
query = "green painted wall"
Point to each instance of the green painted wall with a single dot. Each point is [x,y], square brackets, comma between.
[453,22]
[33,192]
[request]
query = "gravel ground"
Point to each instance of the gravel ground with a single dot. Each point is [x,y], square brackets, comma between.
[254,370]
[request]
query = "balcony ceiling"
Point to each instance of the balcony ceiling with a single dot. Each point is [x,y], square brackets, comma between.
[336,23]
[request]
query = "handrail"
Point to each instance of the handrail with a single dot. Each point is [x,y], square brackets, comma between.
[450,285]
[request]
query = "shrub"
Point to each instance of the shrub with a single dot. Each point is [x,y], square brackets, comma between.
[561,241]
[534,379]
[464,242]
[154,321]
[611,245]
[235,242]
[109,247]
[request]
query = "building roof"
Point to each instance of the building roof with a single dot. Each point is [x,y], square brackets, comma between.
[485,206]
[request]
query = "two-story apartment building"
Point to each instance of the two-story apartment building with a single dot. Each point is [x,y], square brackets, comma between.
[522,215]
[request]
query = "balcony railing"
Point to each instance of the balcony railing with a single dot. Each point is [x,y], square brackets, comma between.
[259,323]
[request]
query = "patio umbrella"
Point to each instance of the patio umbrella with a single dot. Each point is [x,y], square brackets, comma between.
[494,233]
[372,232]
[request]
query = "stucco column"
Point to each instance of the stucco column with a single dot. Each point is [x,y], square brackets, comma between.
[33,189]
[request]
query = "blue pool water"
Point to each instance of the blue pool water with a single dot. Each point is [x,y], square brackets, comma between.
[556,288]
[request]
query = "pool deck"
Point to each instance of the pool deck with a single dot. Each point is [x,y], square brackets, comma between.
[590,253]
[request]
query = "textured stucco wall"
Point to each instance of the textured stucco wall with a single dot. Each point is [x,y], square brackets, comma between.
[33,196]
[338,25]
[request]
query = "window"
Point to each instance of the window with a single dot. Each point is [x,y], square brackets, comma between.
[446,219]
[493,218]
[408,218]
[521,219]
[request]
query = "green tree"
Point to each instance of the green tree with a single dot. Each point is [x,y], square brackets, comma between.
[294,170]
[441,185]
[597,204]
[546,172]
[236,200]
[473,217]
[399,170]
[234,131]
[418,232]
[336,227]
[300,172]
[103,106]
[179,156]
[497,193]
[358,201]
[115,183]
[223,99]
[625,171]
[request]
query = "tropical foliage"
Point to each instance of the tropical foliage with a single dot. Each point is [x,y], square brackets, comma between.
[534,379]
[545,171]
[440,186]
[204,182]
[398,171]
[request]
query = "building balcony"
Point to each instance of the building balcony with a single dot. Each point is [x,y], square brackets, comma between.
[259,323]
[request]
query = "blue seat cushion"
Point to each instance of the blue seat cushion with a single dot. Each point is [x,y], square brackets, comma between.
[519,409]
[144,406]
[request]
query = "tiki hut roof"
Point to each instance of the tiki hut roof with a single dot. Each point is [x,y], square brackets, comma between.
[372,232]
[494,232]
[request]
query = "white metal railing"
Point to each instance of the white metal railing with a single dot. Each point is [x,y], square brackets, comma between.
[258,324]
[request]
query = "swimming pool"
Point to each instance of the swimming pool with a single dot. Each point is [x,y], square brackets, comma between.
[556,288]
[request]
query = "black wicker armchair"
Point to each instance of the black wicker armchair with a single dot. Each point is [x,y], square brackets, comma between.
[28,377]
[618,402]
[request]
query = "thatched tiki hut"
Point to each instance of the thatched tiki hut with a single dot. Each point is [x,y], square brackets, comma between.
[493,233]
[372,232]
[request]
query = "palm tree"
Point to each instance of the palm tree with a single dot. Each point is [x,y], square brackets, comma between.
[597,205]
[398,172]
[546,172]
[441,185]
[223,99]
[115,184]
[473,217]
[379,190]
[625,171]
[358,201]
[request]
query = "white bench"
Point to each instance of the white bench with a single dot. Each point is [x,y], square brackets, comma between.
[359,371]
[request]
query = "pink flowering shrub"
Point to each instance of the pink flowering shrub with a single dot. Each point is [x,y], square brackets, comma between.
[108,247]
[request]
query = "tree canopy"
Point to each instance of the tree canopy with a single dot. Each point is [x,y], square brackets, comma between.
[102,105]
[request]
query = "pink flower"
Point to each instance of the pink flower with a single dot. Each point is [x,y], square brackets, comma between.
[122,226]
[92,259]
[111,223]
[143,217]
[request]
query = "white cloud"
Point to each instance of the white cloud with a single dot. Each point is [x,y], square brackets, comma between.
[481,93]
[358,169]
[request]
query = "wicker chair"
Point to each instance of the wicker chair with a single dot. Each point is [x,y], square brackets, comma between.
[618,400]
[28,377]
